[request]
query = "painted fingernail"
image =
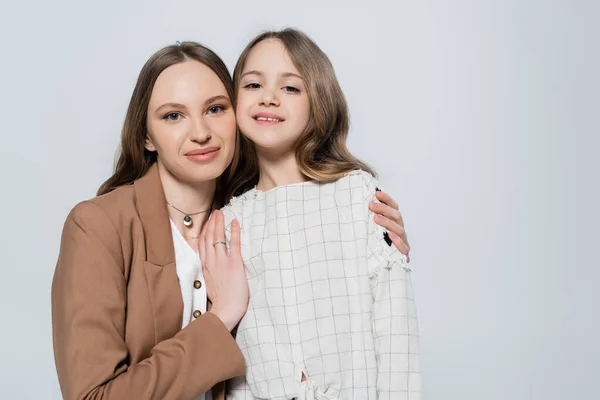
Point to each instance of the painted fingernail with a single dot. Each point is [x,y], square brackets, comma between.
[387,239]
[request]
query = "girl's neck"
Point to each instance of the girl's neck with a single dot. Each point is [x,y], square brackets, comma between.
[191,198]
[278,171]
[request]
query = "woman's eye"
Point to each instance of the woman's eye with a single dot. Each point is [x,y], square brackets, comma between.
[252,86]
[291,89]
[172,116]
[216,109]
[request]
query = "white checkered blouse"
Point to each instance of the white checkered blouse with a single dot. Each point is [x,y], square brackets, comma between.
[329,297]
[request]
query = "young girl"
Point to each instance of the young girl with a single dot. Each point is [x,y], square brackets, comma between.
[331,312]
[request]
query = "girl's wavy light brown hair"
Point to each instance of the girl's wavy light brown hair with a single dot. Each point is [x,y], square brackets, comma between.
[133,160]
[321,151]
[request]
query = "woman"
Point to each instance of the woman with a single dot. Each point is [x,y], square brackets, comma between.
[129,300]
[331,312]
[116,300]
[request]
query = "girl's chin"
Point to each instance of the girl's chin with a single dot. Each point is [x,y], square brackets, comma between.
[270,140]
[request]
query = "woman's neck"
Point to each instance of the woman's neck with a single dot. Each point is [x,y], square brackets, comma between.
[278,171]
[190,198]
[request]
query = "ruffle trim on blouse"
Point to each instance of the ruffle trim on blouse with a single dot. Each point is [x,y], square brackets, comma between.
[310,390]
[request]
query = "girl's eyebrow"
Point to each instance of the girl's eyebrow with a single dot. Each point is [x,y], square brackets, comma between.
[290,74]
[283,74]
[253,72]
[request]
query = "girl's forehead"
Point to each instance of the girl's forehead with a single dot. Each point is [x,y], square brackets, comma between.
[269,55]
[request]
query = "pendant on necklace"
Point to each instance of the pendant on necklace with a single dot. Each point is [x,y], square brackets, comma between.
[187,221]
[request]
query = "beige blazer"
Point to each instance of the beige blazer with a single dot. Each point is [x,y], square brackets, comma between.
[117,306]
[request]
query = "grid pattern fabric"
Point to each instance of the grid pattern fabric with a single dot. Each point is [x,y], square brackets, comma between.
[329,298]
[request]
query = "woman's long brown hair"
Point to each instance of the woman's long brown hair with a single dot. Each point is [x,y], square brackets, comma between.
[321,151]
[133,160]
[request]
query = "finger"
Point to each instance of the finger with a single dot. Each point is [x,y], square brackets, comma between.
[202,242]
[386,199]
[391,226]
[387,212]
[219,234]
[234,244]
[208,241]
[202,245]
[400,244]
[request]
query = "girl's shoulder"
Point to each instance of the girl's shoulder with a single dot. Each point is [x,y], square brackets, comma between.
[360,177]
[234,208]
[357,183]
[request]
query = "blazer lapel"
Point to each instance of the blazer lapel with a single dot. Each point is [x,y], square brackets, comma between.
[160,269]
[152,208]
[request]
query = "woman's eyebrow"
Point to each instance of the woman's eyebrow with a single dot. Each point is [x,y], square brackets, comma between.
[177,106]
[219,97]
[182,107]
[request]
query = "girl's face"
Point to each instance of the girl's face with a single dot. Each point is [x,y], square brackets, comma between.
[272,104]
[191,122]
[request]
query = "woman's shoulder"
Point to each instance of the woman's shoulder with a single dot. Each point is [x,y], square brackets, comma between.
[106,210]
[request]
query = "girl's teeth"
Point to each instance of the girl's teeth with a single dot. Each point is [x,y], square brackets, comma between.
[267,119]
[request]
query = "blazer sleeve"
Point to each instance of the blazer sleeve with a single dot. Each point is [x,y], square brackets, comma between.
[89,293]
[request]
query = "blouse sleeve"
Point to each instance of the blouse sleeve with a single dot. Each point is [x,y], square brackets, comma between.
[394,318]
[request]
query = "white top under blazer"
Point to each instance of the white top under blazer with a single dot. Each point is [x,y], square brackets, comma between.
[330,298]
[191,282]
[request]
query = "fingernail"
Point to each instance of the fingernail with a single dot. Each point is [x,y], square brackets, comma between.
[387,239]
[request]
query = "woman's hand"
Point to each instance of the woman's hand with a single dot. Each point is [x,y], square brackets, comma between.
[226,283]
[388,216]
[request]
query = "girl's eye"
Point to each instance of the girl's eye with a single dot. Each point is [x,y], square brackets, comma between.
[252,86]
[172,116]
[216,109]
[291,89]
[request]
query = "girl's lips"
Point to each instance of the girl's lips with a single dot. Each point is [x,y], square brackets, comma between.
[203,155]
[265,121]
[267,118]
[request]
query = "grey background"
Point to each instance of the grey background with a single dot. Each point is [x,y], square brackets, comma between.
[480,116]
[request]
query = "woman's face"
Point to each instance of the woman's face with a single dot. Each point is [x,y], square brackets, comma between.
[272,104]
[191,122]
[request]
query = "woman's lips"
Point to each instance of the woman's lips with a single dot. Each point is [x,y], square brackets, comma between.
[202,155]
